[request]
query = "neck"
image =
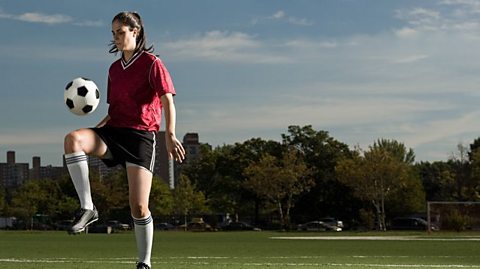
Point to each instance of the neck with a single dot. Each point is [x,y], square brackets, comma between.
[127,55]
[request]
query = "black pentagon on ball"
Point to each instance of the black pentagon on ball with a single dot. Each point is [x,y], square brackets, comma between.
[82,91]
[86,79]
[69,103]
[97,94]
[69,85]
[87,109]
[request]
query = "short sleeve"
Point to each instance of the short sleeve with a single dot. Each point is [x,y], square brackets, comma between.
[160,79]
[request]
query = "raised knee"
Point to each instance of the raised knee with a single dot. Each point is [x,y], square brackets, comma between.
[73,141]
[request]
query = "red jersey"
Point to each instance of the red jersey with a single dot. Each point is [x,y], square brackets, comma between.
[134,91]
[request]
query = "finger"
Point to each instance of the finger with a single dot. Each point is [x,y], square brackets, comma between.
[179,148]
[179,154]
[179,158]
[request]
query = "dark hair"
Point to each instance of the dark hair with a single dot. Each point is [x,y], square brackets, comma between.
[132,20]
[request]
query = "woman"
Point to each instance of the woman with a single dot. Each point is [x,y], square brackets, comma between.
[139,87]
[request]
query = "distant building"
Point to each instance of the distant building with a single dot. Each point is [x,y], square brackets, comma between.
[40,172]
[162,163]
[167,169]
[12,174]
[191,144]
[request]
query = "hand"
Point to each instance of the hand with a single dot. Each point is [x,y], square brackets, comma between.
[175,148]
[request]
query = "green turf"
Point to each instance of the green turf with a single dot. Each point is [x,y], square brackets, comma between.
[239,250]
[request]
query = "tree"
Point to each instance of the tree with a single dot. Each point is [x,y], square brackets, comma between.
[397,150]
[375,175]
[461,165]
[161,198]
[110,194]
[280,181]
[329,197]
[2,200]
[218,174]
[473,186]
[187,199]
[37,197]
[438,180]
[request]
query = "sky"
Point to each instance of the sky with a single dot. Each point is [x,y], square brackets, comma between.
[360,69]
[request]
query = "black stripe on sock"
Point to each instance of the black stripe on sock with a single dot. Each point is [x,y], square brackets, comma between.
[76,159]
[144,221]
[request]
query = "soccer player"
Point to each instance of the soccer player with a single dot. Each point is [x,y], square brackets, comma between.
[139,88]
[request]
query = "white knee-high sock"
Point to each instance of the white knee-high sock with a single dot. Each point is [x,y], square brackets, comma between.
[78,168]
[144,238]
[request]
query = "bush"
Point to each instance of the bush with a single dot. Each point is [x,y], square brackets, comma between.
[454,220]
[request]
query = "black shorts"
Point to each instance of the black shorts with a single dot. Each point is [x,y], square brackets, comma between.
[127,145]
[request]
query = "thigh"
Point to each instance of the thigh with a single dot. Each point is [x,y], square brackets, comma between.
[139,185]
[85,140]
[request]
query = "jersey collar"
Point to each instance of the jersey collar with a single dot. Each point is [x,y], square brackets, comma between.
[135,56]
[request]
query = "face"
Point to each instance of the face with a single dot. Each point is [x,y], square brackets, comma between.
[124,38]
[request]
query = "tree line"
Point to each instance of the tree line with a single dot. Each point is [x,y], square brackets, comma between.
[306,176]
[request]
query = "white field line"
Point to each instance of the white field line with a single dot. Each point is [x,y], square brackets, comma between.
[377,238]
[197,261]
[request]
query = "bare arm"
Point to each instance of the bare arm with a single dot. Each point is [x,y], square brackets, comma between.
[174,147]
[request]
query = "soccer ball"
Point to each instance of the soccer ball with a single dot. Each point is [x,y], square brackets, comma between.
[81,96]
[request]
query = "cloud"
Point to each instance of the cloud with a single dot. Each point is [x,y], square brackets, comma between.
[222,47]
[406,32]
[55,53]
[410,59]
[43,18]
[33,138]
[278,15]
[303,107]
[422,18]
[366,117]
[460,16]
[473,6]
[412,84]
[305,44]
[88,23]
[50,19]
[441,129]
[282,16]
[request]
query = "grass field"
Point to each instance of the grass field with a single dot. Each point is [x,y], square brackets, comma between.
[242,250]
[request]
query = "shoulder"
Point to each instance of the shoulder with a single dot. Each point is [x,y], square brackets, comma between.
[151,57]
[154,61]
[116,63]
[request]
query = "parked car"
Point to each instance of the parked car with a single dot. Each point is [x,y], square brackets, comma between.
[117,225]
[164,226]
[240,226]
[63,225]
[332,221]
[100,228]
[197,225]
[411,223]
[318,226]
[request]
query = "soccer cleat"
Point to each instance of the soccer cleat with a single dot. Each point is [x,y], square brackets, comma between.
[141,265]
[83,218]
